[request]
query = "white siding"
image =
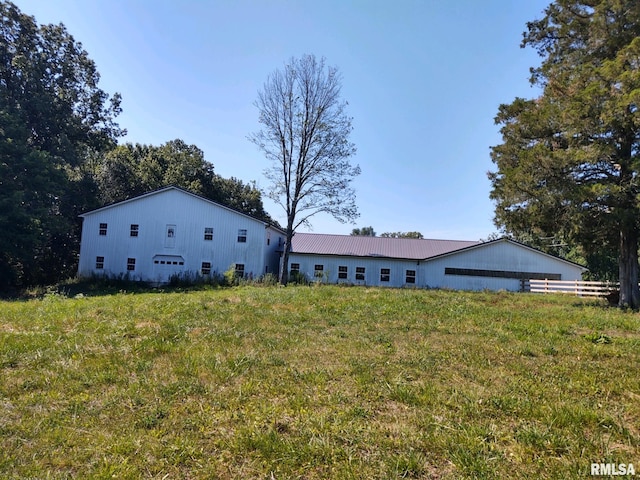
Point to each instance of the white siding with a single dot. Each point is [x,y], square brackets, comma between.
[498,256]
[190,215]
[372,267]
[501,255]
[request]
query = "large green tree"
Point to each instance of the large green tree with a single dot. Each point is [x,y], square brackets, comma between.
[52,115]
[569,160]
[129,170]
[305,135]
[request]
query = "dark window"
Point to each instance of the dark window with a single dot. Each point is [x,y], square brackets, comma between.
[295,267]
[103,229]
[206,268]
[134,230]
[502,274]
[384,274]
[343,272]
[208,233]
[359,273]
[131,264]
[240,270]
[99,263]
[318,270]
[242,235]
[411,276]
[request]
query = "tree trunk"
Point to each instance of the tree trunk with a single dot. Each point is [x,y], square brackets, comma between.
[629,290]
[284,260]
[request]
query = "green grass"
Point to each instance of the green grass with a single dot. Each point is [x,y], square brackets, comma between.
[316,382]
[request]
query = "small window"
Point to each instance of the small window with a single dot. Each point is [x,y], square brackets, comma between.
[411,276]
[318,270]
[99,263]
[242,235]
[385,273]
[131,264]
[206,268]
[295,267]
[343,272]
[208,233]
[268,238]
[134,230]
[359,273]
[103,229]
[239,270]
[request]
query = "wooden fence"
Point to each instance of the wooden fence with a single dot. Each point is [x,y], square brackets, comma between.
[573,287]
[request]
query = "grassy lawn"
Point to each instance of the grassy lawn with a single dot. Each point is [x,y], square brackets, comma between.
[316,382]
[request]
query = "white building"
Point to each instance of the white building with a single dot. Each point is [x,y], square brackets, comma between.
[396,262]
[171,231]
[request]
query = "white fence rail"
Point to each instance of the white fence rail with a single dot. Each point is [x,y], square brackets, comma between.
[573,287]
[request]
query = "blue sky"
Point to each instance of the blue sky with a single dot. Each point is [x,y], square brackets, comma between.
[423,79]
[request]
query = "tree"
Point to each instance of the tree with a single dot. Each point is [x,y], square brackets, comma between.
[305,135]
[363,232]
[416,235]
[52,115]
[130,170]
[569,162]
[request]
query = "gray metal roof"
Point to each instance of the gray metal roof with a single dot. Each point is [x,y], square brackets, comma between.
[357,246]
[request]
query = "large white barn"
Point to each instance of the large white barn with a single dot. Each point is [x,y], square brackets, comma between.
[396,262]
[174,232]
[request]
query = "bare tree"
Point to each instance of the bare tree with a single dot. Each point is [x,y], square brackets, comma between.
[305,135]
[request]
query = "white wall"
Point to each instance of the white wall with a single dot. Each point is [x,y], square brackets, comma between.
[372,267]
[190,215]
[499,255]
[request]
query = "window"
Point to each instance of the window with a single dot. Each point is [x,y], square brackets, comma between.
[170,236]
[268,238]
[103,229]
[318,270]
[239,270]
[208,233]
[359,273]
[295,267]
[99,263]
[411,276]
[134,230]
[131,264]
[206,268]
[242,235]
[385,274]
[342,272]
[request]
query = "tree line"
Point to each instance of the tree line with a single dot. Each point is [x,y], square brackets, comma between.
[59,155]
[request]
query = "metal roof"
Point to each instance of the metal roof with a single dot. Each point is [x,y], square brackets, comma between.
[360,246]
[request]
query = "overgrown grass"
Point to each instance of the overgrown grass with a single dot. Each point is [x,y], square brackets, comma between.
[316,382]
